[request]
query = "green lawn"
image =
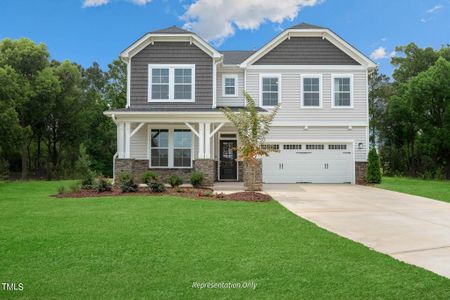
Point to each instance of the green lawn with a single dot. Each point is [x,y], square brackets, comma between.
[434,189]
[156,247]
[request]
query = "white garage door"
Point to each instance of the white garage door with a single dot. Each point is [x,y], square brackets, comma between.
[309,162]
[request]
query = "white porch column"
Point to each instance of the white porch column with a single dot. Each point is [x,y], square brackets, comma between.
[120,139]
[207,140]
[201,140]
[127,139]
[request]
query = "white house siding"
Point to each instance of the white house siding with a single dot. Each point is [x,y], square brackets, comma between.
[323,134]
[290,96]
[139,141]
[230,101]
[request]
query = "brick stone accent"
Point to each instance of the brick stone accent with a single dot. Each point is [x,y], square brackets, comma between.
[138,166]
[361,172]
[253,176]
[208,168]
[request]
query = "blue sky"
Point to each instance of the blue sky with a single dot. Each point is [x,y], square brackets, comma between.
[85,31]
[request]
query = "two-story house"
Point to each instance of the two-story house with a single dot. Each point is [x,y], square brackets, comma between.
[177,83]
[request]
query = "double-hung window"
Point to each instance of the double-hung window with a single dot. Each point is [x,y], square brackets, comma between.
[159,152]
[342,91]
[171,83]
[270,90]
[171,148]
[311,91]
[229,84]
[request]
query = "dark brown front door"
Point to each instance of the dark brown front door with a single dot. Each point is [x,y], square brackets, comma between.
[228,163]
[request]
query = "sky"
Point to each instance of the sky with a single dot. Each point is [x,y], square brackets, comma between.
[87,31]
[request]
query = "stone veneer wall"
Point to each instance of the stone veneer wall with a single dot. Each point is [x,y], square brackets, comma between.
[360,172]
[253,176]
[208,168]
[139,166]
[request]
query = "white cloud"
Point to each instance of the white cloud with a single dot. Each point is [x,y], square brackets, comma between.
[435,9]
[381,53]
[216,20]
[93,3]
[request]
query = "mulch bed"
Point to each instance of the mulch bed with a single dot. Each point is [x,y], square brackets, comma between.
[194,193]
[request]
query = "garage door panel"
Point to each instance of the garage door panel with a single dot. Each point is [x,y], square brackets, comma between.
[319,165]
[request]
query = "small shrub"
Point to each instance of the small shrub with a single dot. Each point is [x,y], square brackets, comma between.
[157,187]
[101,185]
[175,181]
[127,184]
[88,180]
[208,194]
[373,167]
[75,187]
[149,177]
[196,179]
[62,189]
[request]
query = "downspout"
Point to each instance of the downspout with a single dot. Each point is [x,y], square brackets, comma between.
[113,117]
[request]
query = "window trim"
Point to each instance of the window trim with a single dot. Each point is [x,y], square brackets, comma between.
[333,88]
[302,77]
[233,76]
[171,68]
[171,147]
[268,75]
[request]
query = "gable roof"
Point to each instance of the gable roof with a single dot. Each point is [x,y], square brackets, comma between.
[235,57]
[172,33]
[310,30]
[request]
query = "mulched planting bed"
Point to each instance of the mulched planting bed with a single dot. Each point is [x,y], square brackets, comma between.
[194,193]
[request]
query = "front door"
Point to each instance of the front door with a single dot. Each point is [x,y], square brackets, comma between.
[228,163]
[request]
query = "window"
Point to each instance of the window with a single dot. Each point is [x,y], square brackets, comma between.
[292,147]
[171,83]
[182,143]
[229,85]
[311,91]
[171,148]
[159,154]
[160,83]
[315,147]
[337,147]
[342,91]
[270,90]
[272,147]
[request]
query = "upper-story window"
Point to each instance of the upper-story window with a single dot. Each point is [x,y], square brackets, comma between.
[270,90]
[311,91]
[342,91]
[171,83]
[230,82]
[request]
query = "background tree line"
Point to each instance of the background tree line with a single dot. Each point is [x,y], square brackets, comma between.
[51,112]
[51,109]
[410,116]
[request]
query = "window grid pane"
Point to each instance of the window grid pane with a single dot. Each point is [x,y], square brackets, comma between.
[159,153]
[230,86]
[183,84]
[311,92]
[182,141]
[342,91]
[270,91]
[160,83]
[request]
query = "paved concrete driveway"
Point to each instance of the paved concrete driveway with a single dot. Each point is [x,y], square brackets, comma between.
[410,228]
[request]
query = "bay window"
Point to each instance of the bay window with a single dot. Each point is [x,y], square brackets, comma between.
[171,83]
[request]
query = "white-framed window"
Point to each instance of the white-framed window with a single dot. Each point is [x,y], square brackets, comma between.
[342,91]
[269,90]
[311,91]
[171,83]
[229,85]
[170,148]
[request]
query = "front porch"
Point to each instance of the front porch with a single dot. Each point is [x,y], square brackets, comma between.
[178,148]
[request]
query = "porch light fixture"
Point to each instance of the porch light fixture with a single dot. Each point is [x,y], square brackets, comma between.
[360,146]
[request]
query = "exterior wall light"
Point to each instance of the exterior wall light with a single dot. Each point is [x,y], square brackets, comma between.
[360,146]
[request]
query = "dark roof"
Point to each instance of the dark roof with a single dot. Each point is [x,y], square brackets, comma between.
[235,57]
[306,26]
[176,109]
[172,30]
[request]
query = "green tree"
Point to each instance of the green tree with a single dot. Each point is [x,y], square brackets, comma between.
[252,128]
[380,89]
[373,168]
